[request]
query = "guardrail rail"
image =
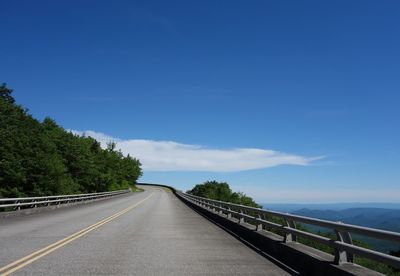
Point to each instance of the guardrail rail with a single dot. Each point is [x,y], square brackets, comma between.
[343,245]
[33,202]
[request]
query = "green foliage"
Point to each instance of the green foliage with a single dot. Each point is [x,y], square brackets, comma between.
[221,191]
[365,262]
[395,253]
[5,94]
[315,244]
[41,158]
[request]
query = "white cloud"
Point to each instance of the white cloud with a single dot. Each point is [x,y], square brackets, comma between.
[172,156]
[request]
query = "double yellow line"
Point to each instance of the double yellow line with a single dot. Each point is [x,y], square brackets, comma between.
[14,266]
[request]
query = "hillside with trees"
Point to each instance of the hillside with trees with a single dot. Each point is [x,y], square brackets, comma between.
[221,191]
[41,158]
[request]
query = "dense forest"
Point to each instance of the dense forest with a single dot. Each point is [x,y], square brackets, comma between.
[221,191]
[41,158]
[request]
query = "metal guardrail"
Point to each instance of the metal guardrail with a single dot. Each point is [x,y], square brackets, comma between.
[343,245]
[33,202]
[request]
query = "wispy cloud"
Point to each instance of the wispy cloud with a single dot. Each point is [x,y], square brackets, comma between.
[172,156]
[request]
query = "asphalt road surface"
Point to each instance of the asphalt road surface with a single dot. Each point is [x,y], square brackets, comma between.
[147,233]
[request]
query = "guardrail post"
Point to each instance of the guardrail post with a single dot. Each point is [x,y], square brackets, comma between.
[213,207]
[289,237]
[259,226]
[241,219]
[229,214]
[342,256]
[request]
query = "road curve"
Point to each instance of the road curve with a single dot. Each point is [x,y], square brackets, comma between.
[148,233]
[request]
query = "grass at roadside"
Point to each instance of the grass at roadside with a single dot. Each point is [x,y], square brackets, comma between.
[168,190]
[136,189]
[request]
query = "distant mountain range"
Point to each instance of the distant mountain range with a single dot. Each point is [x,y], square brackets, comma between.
[291,207]
[387,219]
[384,216]
[380,218]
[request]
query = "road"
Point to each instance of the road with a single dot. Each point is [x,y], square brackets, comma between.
[147,233]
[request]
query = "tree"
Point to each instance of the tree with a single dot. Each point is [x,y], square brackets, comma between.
[221,191]
[41,158]
[5,93]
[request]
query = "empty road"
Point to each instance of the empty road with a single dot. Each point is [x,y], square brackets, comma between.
[147,233]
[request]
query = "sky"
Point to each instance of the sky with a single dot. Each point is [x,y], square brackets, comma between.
[287,101]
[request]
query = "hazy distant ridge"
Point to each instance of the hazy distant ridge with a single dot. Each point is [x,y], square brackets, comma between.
[388,219]
[291,207]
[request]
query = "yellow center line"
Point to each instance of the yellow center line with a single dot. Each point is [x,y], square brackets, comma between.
[14,266]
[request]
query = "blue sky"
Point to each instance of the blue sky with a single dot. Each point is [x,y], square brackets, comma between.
[288,101]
